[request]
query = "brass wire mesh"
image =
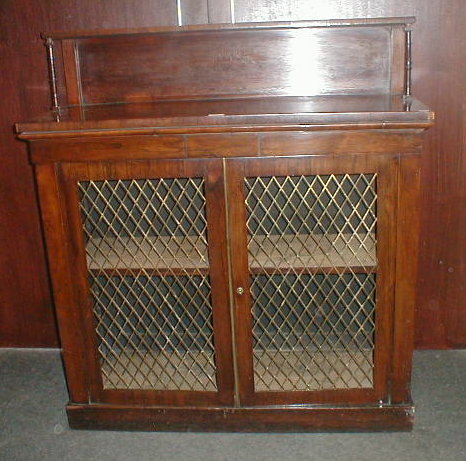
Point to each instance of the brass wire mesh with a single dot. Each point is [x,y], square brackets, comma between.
[146,245]
[313,289]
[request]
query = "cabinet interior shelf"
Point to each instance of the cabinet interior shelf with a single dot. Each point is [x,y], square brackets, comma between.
[308,370]
[271,254]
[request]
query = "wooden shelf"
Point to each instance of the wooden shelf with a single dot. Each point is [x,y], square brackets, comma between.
[159,370]
[292,370]
[311,253]
[151,255]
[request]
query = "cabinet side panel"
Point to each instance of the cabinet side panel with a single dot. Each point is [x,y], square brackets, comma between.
[69,318]
[406,276]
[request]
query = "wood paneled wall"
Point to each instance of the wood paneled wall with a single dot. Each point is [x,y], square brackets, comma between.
[26,314]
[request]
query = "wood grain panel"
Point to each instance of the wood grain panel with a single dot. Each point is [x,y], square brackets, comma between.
[116,148]
[71,77]
[456,270]
[256,62]
[60,253]
[440,81]
[26,316]
[407,235]
[342,142]
[220,11]
[225,145]
[292,10]
[194,12]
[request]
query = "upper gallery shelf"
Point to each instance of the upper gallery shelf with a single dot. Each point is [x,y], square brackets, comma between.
[294,59]
[261,74]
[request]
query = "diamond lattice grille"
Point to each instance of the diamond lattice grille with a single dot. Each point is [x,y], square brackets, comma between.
[146,245]
[312,261]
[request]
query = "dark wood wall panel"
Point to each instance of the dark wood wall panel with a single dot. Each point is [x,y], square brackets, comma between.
[205,11]
[455,325]
[284,10]
[220,11]
[193,12]
[26,316]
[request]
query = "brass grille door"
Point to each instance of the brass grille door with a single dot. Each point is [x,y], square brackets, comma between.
[313,232]
[153,252]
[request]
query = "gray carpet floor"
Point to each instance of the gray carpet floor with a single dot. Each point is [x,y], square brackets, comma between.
[33,423]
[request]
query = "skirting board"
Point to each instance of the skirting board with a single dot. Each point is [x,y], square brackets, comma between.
[262,419]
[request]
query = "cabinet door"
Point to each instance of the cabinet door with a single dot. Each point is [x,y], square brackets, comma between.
[313,243]
[150,266]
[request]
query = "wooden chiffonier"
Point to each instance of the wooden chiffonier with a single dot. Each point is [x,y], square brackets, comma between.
[231,217]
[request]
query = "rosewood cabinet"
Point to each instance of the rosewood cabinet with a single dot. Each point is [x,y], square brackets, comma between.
[234,252]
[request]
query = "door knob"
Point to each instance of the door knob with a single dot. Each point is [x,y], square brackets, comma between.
[240,290]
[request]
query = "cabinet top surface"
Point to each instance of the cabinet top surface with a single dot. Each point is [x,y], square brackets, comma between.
[228,114]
